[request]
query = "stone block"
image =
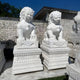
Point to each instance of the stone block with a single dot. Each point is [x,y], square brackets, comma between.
[26,60]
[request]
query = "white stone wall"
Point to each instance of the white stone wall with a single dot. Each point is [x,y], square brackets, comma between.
[8,29]
[67,28]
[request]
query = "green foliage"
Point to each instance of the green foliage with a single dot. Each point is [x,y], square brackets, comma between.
[7,10]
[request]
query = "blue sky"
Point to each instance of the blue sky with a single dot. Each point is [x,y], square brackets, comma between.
[38,4]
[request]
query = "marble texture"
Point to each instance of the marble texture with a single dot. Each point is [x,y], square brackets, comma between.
[55,50]
[26,52]
[2,58]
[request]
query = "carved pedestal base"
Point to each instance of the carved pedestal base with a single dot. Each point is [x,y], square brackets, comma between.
[55,58]
[55,61]
[73,72]
[26,60]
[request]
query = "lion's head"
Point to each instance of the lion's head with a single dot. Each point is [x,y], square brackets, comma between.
[26,14]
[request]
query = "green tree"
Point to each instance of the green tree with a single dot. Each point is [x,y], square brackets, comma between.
[6,10]
[15,11]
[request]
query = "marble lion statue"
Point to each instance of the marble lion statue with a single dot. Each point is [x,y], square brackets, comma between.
[25,28]
[76,29]
[76,26]
[54,29]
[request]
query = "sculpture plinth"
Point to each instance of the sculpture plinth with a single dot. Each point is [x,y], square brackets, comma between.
[26,52]
[55,50]
[55,57]
[2,59]
[26,60]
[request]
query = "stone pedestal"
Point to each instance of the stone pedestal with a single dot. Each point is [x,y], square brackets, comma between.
[54,57]
[2,59]
[73,72]
[26,60]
